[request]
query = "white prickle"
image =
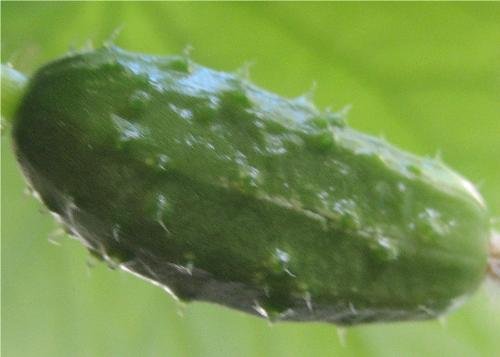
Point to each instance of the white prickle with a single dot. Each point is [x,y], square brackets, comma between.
[342,335]
[243,71]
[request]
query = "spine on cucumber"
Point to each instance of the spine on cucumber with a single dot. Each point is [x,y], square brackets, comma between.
[223,192]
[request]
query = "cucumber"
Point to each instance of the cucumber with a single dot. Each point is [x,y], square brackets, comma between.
[220,191]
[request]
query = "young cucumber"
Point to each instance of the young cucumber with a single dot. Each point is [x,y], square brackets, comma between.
[220,191]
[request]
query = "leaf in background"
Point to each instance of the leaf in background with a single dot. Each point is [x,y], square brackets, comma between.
[425,75]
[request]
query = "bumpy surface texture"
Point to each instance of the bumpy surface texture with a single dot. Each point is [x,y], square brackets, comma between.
[223,192]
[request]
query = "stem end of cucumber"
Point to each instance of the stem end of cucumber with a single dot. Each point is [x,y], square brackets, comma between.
[494,257]
[13,87]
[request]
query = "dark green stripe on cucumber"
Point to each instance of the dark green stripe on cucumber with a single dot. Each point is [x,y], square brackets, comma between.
[223,192]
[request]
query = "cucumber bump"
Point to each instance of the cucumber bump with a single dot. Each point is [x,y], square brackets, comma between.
[224,192]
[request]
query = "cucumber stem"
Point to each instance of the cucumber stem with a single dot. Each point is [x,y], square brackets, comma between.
[13,86]
[494,257]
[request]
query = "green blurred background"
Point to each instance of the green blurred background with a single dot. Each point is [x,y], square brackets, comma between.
[426,76]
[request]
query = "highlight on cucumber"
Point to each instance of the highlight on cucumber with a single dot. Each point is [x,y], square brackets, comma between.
[220,191]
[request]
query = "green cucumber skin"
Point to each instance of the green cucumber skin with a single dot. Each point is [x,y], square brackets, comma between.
[208,185]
